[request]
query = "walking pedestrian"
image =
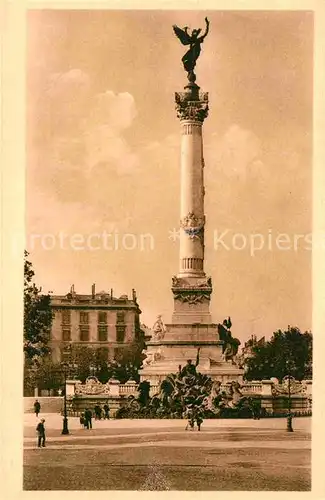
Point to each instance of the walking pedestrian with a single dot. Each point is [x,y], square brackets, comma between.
[199,421]
[106,410]
[82,420]
[189,413]
[88,418]
[37,407]
[98,412]
[41,433]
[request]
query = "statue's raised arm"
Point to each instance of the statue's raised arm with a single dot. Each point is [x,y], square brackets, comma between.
[194,41]
[207,26]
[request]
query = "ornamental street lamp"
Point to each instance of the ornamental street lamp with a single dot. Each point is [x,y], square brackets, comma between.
[65,429]
[289,415]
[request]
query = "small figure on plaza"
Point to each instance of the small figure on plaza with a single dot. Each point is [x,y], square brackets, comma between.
[159,329]
[193,415]
[194,41]
[41,433]
[98,411]
[106,410]
[37,407]
[82,420]
[88,419]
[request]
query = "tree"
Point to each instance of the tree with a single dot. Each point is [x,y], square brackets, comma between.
[49,375]
[288,352]
[38,317]
[128,360]
[82,361]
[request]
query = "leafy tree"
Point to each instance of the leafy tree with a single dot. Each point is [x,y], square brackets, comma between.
[38,317]
[82,362]
[128,360]
[43,374]
[288,352]
[49,374]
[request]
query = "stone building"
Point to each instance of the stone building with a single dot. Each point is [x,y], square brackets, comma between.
[97,320]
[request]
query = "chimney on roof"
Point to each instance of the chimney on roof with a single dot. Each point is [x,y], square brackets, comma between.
[72,291]
[111,293]
[93,290]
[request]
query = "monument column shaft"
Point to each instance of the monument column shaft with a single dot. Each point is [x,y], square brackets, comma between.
[192,200]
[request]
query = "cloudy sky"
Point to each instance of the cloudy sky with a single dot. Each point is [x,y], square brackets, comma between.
[103,148]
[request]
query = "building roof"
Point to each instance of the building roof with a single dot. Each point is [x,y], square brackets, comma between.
[102,299]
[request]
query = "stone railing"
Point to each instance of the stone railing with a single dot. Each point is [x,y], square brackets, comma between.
[254,387]
[94,388]
[128,389]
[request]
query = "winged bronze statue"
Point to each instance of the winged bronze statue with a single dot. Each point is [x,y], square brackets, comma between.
[194,41]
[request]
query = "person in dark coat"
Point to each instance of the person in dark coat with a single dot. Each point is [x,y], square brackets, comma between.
[88,417]
[199,422]
[37,407]
[98,412]
[41,433]
[106,410]
[82,420]
[189,413]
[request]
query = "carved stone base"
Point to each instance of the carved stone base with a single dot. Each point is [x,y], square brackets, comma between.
[191,299]
[180,343]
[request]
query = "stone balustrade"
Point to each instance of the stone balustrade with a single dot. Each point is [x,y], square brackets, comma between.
[254,387]
[130,388]
[272,394]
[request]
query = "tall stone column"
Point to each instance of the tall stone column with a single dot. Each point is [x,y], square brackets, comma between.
[191,335]
[191,288]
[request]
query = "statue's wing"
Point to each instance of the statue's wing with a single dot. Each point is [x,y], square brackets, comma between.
[182,35]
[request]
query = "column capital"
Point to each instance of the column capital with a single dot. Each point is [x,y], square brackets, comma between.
[190,106]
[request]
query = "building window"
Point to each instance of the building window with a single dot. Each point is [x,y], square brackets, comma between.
[66,317]
[84,333]
[120,333]
[84,318]
[120,317]
[66,334]
[102,317]
[102,333]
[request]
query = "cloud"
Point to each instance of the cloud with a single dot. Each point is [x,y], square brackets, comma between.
[109,116]
[47,215]
[117,110]
[73,170]
[62,83]
[235,152]
[152,146]
[85,129]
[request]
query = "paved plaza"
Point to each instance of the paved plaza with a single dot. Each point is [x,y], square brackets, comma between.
[161,455]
